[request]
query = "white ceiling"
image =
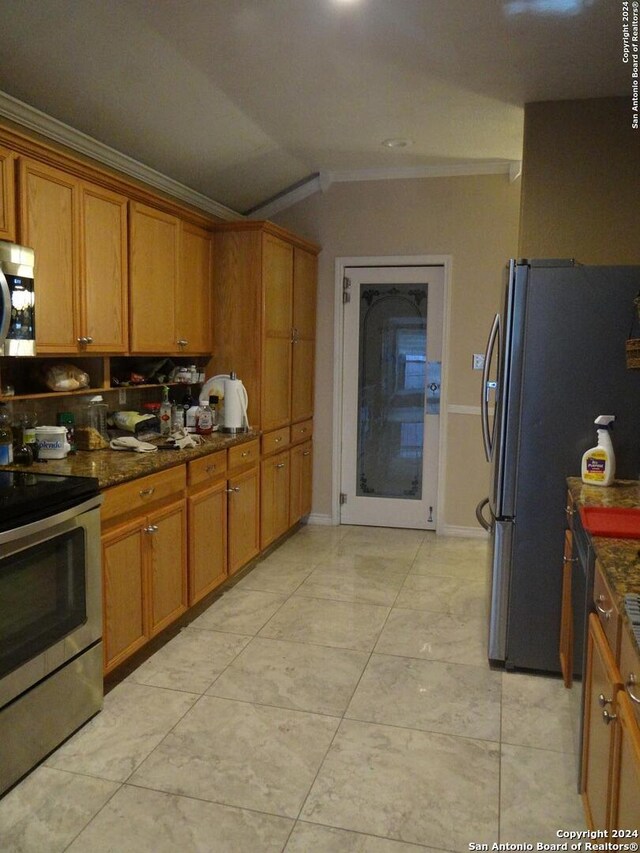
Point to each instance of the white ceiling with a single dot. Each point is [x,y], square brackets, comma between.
[240,99]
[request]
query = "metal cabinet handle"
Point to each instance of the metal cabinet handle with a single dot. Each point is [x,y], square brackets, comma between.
[569,559]
[245,453]
[304,429]
[210,468]
[609,718]
[280,465]
[144,493]
[182,342]
[307,453]
[278,439]
[603,701]
[629,683]
[606,613]
[152,528]
[232,489]
[570,511]
[89,339]
[83,341]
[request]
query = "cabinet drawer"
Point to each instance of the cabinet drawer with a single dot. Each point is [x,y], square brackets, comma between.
[630,671]
[276,440]
[244,454]
[607,612]
[208,469]
[301,431]
[143,492]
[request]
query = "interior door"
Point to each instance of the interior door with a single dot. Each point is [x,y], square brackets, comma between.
[392,358]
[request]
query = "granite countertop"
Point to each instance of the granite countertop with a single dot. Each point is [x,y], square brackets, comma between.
[117,466]
[618,558]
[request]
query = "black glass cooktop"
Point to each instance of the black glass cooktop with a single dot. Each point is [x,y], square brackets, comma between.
[27,497]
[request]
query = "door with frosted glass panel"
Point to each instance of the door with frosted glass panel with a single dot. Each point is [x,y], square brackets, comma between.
[392,358]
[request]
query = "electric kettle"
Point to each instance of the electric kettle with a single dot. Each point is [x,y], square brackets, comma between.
[236,401]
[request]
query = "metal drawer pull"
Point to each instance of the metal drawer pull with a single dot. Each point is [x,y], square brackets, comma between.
[245,453]
[569,559]
[570,510]
[182,342]
[631,682]
[83,340]
[307,453]
[602,700]
[89,339]
[144,493]
[304,429]
[232,489]
[280,465]
[210,468]
[609,718]
[278,439]
[152,528]
[606,613]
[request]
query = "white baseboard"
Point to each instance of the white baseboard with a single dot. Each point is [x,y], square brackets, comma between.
[466,532]
[319,518]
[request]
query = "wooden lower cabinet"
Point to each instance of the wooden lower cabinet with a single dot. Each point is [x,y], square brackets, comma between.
[301,482]
[207,540]
[599,727]
[243,525]
[274,486]
[625,800]
[145,579]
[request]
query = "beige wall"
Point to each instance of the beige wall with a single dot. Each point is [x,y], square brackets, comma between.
[473,219]
[581,182]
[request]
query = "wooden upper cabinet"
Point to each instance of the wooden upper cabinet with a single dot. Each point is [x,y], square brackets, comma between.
[305,276]
[153,278]
[78,232]
[49,224]
[103,270]
[277,277]
[7,195]
[193,296]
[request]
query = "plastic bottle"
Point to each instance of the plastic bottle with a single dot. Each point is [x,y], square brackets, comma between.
[165,413]
[204,418]
[6,437]
[599,463]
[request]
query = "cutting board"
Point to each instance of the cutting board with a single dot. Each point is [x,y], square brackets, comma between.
[611,521]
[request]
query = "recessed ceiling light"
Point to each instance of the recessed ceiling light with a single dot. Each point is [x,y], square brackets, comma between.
[397,143]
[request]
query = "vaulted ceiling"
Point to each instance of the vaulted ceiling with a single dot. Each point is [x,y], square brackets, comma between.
[240,99]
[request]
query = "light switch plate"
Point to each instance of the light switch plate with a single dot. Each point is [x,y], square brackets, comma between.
[478,361]
[122,396]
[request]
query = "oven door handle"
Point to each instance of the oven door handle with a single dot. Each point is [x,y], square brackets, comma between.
[6,308]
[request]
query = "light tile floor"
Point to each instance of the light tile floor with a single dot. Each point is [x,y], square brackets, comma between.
[336,699]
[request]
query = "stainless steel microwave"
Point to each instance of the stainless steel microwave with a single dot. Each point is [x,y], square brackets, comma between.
[17,300]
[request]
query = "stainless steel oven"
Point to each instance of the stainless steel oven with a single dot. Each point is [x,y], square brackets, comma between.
[50,615]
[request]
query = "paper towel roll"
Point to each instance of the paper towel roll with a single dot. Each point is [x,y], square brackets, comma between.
[235,415]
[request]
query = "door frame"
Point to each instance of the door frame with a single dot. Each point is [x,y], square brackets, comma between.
[341,264]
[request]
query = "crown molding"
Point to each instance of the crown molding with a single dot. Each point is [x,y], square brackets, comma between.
[322,182]
[33,119]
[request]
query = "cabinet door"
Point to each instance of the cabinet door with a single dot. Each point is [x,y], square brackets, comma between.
[625,812]
[193,295]
[566,617]
[244,518]
[207,540]
[7,195]
[49,225]
[166,542]
[301,477]
[124,614]
[277,283]
[305,273]
[103,269]
[598,733]
[274,498]
[153,276]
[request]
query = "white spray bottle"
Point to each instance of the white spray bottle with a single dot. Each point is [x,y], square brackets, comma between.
[599,463]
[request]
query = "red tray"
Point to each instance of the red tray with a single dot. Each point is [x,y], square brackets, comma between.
[611,521]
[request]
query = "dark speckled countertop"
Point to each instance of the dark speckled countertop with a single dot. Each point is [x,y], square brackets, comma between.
[619,558]
[117,466]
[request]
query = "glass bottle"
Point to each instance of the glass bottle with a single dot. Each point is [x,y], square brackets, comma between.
[6,437]
[165,413]
[28,424]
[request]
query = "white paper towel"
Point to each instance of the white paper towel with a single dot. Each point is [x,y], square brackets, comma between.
[235,413]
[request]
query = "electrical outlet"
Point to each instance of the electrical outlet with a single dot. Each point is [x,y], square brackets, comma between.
[478,361]
[122,396]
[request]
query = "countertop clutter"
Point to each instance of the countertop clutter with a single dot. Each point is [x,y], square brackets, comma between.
[111,467]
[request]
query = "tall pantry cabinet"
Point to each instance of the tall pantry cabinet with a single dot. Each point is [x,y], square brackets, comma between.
[265,308]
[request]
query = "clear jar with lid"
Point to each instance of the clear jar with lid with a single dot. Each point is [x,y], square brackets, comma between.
[91,431]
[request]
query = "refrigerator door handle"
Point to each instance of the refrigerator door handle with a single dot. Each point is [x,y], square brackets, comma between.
[482,521]
[488,386]
[5,309]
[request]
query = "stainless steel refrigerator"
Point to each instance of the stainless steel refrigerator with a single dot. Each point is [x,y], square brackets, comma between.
[555,360]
